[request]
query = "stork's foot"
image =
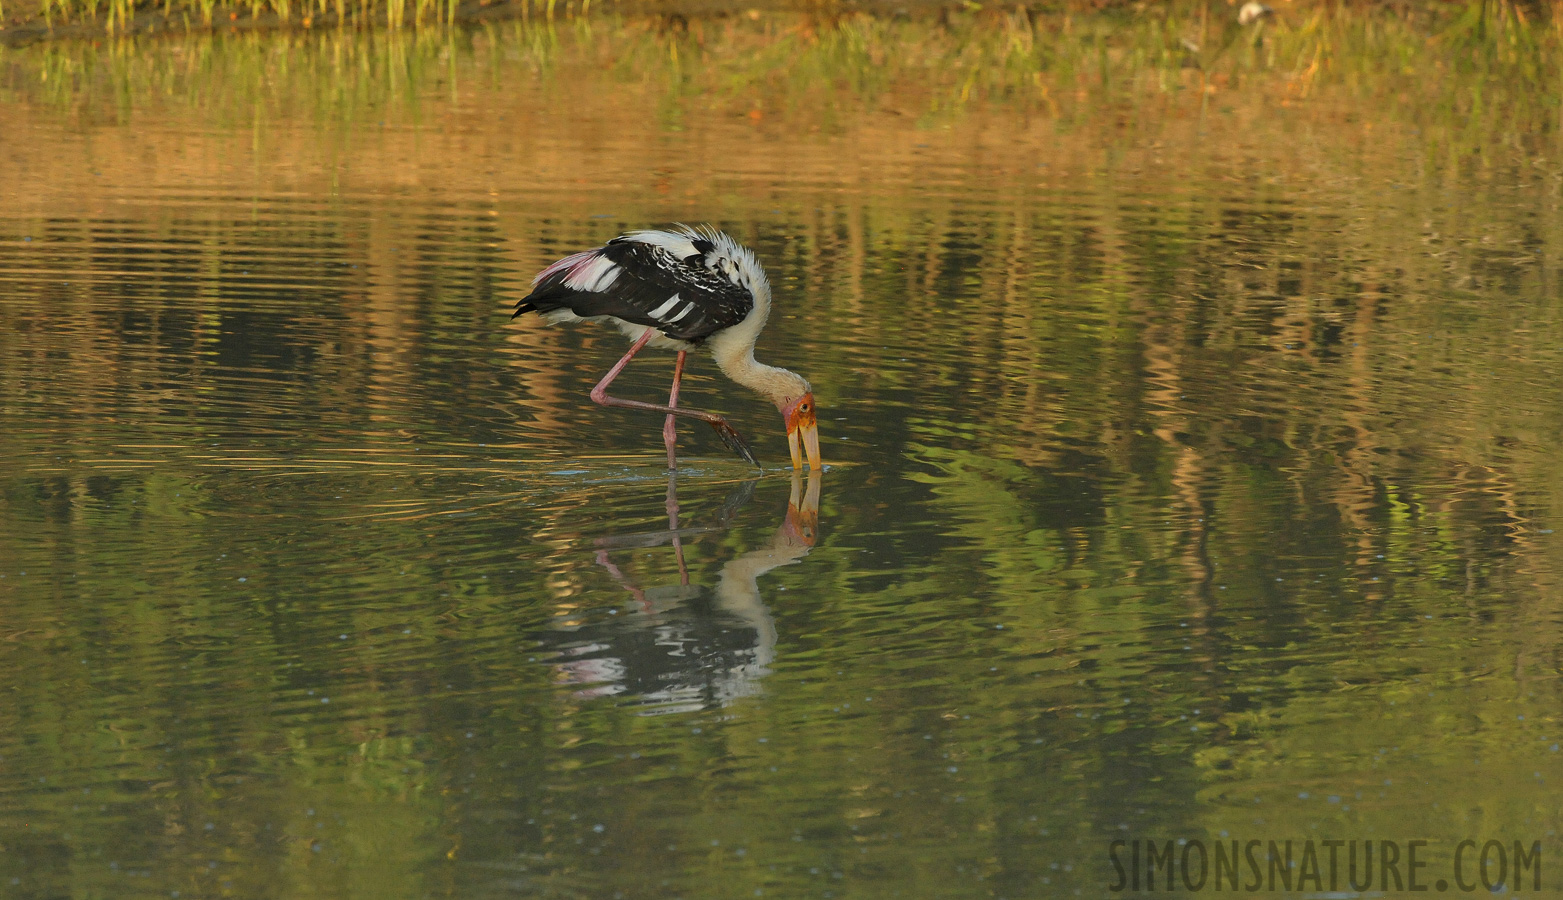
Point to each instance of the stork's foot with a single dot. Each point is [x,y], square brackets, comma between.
[734,441]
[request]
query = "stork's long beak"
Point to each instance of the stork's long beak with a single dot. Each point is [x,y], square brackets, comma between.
[803,433]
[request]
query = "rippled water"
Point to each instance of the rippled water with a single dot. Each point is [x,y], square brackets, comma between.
[1192,481]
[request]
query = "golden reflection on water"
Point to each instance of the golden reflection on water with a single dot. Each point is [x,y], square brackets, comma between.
[1198,446]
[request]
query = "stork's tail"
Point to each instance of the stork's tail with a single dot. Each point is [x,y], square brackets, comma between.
[523,307]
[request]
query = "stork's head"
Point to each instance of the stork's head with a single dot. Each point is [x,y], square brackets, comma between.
[788,390]
[802,432]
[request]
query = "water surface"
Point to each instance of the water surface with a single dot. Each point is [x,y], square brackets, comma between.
[1195,475]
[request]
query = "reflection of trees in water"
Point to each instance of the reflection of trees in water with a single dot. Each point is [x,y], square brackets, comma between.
[687,646]
[1160,326]
[1174,347]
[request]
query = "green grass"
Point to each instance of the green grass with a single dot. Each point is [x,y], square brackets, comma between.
[1480,74]
[75,18]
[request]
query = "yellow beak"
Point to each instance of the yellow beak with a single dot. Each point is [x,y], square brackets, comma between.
[803,434]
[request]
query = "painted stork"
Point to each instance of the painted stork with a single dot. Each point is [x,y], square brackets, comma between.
[677,290]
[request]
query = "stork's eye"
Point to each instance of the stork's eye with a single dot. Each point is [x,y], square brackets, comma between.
[803,408]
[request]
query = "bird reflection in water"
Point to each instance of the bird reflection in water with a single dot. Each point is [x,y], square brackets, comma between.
[687,646]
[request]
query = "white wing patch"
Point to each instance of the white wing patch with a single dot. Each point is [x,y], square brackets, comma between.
[662,310]
[593,275]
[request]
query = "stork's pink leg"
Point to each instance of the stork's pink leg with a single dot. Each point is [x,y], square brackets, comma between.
[726,432]
[669,431]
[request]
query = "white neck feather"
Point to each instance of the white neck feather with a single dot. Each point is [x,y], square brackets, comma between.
[736,360]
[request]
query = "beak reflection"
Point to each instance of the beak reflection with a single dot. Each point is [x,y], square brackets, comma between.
[802,523]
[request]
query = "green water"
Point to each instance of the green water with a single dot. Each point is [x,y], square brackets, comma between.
[1192,478]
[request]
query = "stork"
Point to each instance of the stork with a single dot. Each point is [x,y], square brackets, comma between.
[678,290]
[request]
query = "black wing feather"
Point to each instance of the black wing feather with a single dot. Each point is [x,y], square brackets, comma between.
[649,276]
